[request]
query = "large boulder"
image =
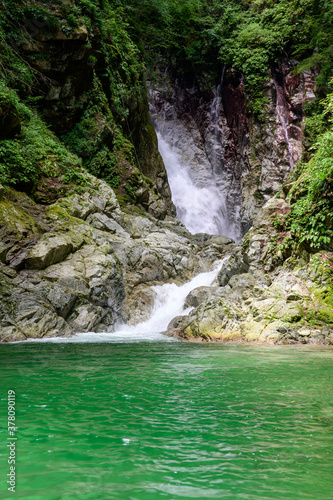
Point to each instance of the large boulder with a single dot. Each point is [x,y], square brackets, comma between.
[52,248]
[138,305]
[24,314]
[104,223]
[86,317]
[93,277]
[199,295]
[236,264]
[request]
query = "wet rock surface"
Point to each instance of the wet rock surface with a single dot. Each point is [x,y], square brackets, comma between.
[263,294]
[82,264]
[249,157]
[199,295]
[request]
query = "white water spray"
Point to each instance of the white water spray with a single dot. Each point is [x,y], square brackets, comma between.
[169,302]
[201,209]
[195,164]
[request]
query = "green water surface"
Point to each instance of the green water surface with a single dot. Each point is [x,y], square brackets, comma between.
[168,420]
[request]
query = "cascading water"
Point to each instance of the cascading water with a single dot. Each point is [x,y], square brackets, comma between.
[195,170]
[281,112]
[200,208]
[169,302]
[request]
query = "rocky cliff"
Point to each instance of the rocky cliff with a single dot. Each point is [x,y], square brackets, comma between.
[86,78]
[249,156]
[87,225]
[265,292]
[83,264]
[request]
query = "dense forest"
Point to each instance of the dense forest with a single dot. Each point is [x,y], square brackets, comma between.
[74,107]
[127,40]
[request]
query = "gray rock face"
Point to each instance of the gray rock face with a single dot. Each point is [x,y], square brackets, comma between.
[199,295]
[105,223]
[91,272]
[237,264]
[249,158]
[138,305]
[86,317]
[84,265]
[174,326]
[52,248]
[24,314]
[63,300]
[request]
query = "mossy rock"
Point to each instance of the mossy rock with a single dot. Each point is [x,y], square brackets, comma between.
[293,312]
[325,314]
[16,221]
[326,296]
[311,315]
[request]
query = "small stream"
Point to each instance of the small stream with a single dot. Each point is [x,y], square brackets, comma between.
[169,302]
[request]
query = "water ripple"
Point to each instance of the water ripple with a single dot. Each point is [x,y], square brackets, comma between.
[170,421]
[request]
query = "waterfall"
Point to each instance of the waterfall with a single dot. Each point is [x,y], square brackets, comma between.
[169,303]
[280,109]
[200,207]
[194,163]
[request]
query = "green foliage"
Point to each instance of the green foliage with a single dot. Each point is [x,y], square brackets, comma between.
[122,59]
[19,22]
[249,35]
[194,36]
[104,165]
[98,137]
[98,140]
[311,215]
[36,152]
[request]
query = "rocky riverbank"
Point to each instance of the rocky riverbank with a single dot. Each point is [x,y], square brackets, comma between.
[83,264]
[264,292]
[87,221]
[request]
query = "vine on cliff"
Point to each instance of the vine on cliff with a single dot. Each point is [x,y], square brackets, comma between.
[100,132]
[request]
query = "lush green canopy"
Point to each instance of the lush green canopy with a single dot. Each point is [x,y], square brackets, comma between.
[247,34]
[195,37]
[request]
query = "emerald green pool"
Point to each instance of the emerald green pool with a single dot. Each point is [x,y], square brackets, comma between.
[169,420]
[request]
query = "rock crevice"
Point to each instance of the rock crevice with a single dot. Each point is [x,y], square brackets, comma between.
[90,264]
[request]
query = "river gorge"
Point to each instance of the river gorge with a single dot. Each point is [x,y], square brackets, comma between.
[166,249]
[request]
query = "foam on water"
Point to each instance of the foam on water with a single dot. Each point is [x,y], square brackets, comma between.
[169,302]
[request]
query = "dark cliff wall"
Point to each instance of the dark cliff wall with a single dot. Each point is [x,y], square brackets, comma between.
[86,79]
[252,154]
